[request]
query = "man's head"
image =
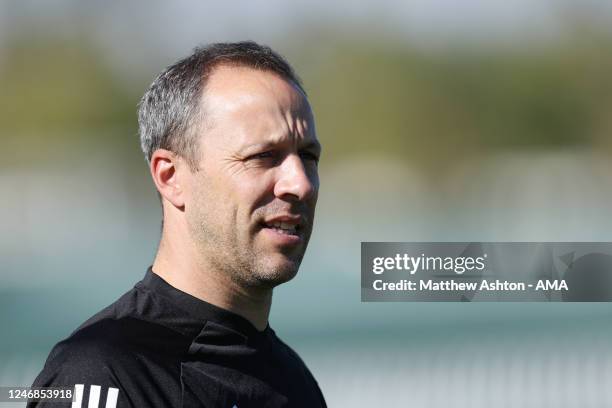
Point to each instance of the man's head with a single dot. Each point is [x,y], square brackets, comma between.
[231,143]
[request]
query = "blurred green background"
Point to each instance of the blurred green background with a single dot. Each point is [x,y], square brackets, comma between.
[479,120]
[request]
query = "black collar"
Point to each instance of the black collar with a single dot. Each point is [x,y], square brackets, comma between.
[200,309]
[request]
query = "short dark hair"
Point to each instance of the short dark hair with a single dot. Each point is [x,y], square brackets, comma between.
[169,111]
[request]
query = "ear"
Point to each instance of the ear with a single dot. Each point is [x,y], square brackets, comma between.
[165,171]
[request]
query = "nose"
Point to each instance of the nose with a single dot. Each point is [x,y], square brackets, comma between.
[294,181]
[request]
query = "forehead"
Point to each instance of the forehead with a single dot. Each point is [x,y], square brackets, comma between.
[236,79]
[249,103]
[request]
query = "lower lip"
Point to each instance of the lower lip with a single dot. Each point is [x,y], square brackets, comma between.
[281,238]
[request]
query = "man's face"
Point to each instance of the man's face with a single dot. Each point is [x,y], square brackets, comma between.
[251,204]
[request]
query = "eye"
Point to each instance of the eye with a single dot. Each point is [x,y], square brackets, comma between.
[310,156]
[263,155]
[267,157]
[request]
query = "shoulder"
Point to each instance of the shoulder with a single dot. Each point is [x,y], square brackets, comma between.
[117,345]
[99,353]
[123,361]
[136,323]
[88,367]
[116,354]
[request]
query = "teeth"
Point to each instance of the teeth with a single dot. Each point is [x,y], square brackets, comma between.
[283,226]
[286,226]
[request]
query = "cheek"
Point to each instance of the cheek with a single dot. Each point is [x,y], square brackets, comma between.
[254,192]
[199,205]
[208,198]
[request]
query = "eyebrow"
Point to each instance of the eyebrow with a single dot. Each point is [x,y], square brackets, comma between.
[313,145]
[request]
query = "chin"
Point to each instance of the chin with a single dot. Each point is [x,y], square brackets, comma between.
[274,273]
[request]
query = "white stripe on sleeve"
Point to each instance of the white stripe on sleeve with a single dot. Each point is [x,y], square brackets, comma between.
[94,396]
[78,395]
[111,397]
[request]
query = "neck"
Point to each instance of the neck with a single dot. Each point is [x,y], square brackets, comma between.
[177,264]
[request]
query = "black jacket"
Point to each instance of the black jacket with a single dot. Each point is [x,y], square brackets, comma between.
[160,347]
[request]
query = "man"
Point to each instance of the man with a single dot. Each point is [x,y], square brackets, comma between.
[230,141]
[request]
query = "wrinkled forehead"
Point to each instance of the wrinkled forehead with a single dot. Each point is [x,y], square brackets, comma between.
[240,96]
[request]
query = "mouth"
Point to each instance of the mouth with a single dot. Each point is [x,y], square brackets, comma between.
[283,227]
[285,230]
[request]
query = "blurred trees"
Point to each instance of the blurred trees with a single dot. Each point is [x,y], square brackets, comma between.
[60,94]
[433,106]
[427,106]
